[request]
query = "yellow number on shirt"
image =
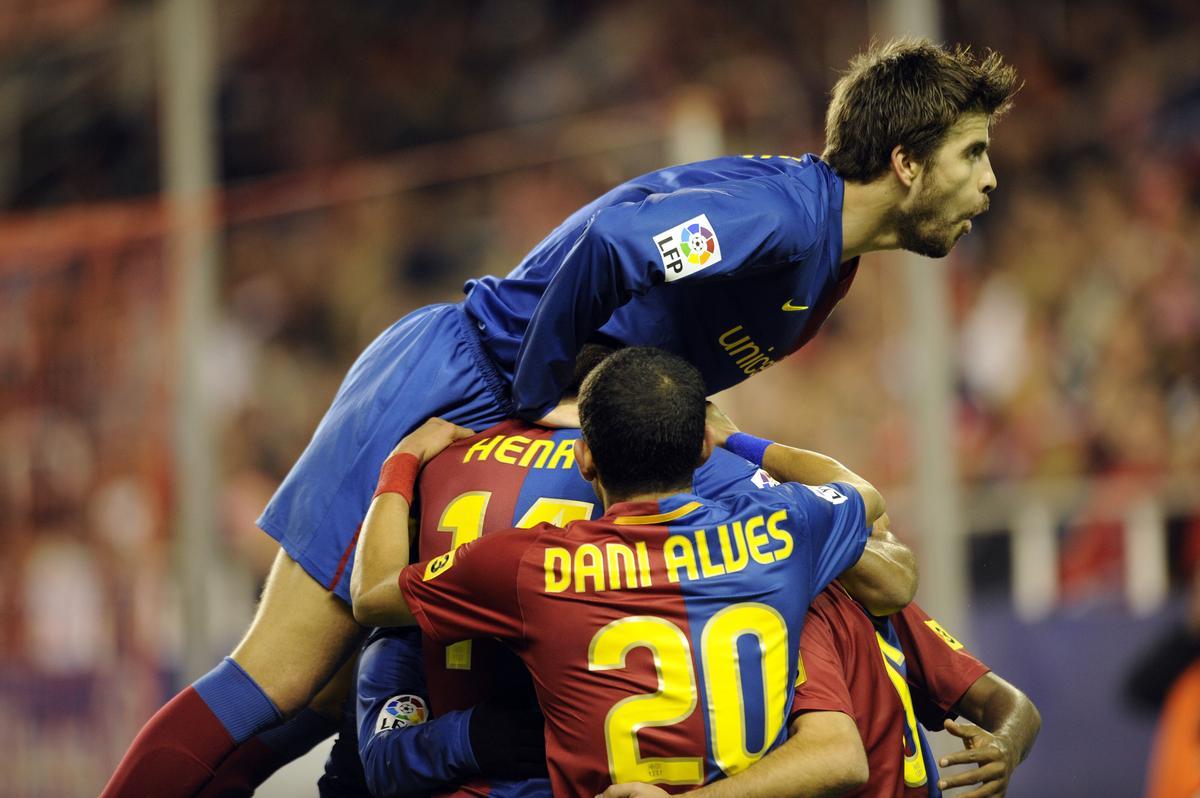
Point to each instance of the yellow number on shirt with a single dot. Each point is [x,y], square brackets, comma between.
[914,763]
[672,702]
[463,519]
[723,678]
[675,699]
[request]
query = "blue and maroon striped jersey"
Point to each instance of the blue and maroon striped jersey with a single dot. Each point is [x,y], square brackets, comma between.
[662,638]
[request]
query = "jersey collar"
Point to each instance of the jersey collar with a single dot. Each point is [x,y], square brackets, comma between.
[652,513]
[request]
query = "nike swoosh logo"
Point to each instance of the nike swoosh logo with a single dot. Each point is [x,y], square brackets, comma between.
[789,306]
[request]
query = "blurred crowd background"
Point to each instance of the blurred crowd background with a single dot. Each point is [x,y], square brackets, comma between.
[376,154]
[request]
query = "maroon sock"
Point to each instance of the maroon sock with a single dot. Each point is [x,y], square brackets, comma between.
[246,768]
[174,754]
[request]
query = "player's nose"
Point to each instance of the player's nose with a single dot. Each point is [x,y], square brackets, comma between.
[988,178]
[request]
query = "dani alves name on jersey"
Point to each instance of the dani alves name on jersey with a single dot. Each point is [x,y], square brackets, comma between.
[687,557]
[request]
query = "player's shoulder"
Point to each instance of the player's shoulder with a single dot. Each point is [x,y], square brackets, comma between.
[798,495]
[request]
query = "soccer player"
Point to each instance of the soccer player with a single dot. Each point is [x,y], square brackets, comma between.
[663,638]
[893,675]
[732,263]
[478,724]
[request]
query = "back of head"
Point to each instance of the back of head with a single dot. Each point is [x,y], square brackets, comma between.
[908,92]
[642,412]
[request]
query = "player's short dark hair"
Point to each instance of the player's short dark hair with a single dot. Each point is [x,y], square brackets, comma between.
[590,355]
[642,412]
[908,92]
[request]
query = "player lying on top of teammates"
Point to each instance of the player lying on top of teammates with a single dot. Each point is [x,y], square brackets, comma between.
[468,716]
[888,673]
[662,638]
[732,263]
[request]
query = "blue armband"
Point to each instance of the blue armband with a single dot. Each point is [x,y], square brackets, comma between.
[748,446]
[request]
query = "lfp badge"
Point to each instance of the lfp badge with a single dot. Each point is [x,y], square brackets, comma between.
[401,711]
[688,248]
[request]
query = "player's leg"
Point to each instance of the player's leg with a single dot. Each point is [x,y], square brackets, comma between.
[300,636]
[429,363]
[258,758]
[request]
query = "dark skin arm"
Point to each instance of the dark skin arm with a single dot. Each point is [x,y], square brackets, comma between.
[1007,724]
[884,580]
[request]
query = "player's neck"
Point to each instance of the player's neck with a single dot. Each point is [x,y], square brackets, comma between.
[867,213]
[611,499]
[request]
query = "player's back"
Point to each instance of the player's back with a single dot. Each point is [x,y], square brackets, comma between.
[662,638]
[517,475]
[704,321]
[889,674]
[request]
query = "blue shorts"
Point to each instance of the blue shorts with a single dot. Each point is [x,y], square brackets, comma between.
[430,363]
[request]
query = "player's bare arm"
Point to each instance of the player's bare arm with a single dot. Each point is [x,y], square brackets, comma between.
[823,757]
[884,579]
[790,464]
[884,558]
[382,550]
[1007,724]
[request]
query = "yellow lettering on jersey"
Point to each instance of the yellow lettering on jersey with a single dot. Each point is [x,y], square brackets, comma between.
[558,570]
[707,568]
[438,566]
[758,541]
[508,451]
[540,449]
[564,455]
[947,638]
[482,448]
[678,554]
[733,562]
[589,564]
[643,561]
[620,562]
[780,534]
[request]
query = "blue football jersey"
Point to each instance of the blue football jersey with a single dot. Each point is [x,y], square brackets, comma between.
[745,253]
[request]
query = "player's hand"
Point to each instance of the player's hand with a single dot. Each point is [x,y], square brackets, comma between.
[507,740]
[633,789]
[994,755]
[428,440]
[719,425]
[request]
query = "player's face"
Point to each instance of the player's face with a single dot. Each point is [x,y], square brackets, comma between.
[951,190]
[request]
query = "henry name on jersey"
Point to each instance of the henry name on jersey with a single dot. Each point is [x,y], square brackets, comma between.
[525,452]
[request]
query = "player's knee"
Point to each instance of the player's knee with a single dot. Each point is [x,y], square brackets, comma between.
[291,686]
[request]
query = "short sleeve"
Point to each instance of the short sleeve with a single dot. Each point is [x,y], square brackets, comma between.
[939,667]
[822,682]
[469,592]
[724,474]
[837,524]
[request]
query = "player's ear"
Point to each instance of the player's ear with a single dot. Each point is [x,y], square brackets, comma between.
[706,450]
[583,459]
[904,166]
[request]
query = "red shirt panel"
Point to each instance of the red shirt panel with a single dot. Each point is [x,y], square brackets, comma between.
[846,672]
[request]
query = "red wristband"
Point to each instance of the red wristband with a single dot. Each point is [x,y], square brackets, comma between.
[399,475]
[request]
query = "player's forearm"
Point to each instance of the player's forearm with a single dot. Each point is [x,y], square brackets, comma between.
[884,580]
[823,758]
[1003,710]
[381,553]
[789,464]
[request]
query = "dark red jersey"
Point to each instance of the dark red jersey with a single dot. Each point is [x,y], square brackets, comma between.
[663,637]
[887,674]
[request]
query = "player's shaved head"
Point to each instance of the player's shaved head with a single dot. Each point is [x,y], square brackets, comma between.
[908,92]
[642,411]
